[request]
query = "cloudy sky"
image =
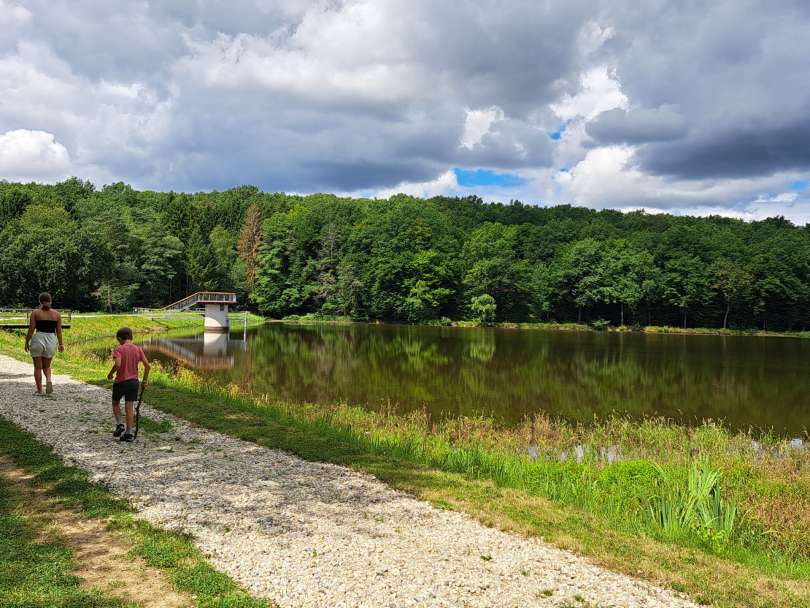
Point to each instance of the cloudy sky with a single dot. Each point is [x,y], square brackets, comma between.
[686,106]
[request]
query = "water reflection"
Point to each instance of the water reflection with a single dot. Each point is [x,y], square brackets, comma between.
[211,351]
[744,381]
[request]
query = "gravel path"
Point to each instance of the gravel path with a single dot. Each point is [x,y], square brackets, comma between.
[303,533]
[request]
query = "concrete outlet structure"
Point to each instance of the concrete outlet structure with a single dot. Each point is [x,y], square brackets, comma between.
[216,305]
[216,318]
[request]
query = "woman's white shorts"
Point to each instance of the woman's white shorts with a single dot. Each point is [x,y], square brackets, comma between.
[43,345]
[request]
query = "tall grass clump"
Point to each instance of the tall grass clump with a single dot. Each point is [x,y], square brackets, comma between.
[695,508]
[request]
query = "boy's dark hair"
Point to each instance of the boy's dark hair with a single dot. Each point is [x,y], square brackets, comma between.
[125,333]
[45,297]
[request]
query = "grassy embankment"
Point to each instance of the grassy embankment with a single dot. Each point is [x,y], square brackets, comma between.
[740,540]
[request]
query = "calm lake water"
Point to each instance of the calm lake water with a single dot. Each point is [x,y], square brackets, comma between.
[745,381]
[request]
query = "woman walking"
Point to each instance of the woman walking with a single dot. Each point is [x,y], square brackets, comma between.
[47,323]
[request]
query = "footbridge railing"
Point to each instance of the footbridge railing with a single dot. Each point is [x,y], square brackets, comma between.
[202,297]
[18,318]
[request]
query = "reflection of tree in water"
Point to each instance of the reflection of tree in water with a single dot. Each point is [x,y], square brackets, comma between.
[512,374]
[418,354]
[482,348]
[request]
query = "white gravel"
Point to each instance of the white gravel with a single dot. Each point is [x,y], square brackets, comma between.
[303,533]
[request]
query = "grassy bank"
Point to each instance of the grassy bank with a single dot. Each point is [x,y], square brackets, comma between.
[642,498]
[39,574]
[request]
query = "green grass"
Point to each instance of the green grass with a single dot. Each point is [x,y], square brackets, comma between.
[36,573]
[153,426]
[759,557]
[33,575]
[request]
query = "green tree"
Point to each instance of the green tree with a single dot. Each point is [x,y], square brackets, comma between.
[576,274]
[249,245]
[492,266]
[484,308]
[45,250]
[114,296]
[686,284]
[401,259]
[626,276]
[732,283]
[160,264]
[272,269]
[12,205]
[201,265]
[225,256]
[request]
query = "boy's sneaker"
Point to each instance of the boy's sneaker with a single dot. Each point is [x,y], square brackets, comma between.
[128,437]
[119,430]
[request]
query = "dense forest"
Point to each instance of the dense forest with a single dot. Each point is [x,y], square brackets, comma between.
[400,259]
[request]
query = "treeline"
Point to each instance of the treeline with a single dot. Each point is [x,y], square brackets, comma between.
[401,259]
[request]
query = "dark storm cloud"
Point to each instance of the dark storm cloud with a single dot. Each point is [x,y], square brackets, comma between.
[738,153]
[363,174]
[637,126]
[738,73]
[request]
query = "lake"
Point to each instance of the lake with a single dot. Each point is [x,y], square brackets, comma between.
[508,374]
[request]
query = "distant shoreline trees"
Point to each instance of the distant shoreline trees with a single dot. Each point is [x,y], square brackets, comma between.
[402,259]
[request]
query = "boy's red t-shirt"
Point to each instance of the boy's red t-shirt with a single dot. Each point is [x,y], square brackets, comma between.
[130,355]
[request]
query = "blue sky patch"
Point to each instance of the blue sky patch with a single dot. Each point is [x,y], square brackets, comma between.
[557,135]
[798,185]
[485,177]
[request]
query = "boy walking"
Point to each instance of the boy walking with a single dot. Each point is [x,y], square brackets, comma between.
[127,356]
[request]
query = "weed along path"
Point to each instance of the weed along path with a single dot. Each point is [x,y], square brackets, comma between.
[308,534]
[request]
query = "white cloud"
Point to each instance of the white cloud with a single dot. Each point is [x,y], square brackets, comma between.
[478,123]
[608,177]
[444,185]
[12,15]
[32,155]
[600,91]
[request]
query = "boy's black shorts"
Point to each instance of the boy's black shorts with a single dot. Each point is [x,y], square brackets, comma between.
[128,389]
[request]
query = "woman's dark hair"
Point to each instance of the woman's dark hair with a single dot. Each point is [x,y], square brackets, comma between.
[125,333]
[45,298]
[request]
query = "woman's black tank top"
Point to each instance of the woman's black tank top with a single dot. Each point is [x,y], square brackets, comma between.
[46,326]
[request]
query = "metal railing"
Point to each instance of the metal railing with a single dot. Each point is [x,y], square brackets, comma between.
[202,297]
[19,318]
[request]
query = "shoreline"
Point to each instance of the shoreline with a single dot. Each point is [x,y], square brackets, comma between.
[595,507]
[551,326]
